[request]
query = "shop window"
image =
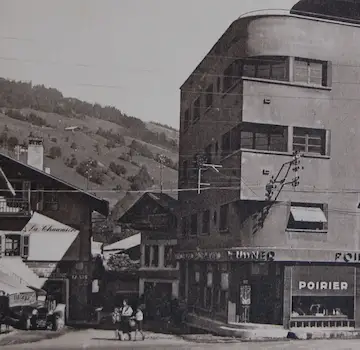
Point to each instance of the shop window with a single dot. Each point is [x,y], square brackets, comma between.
[155,256]
[51,201]
[209,96]
[196,110]
[310,141]
[206,222]
[186,119]
[12,245]
[224,218]
[310,71]
[25,246]
[307,216]
[169,257]
[147,255]
[193,225]
[208,152]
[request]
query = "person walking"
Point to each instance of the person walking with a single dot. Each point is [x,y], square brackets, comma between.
[126,313]
[116,319]
[139,318]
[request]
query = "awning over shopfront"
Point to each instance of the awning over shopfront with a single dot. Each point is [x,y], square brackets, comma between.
[308,214]
[18,294]
[49,240]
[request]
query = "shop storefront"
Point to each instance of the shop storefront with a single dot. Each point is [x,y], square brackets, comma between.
[273,286]
[322,296]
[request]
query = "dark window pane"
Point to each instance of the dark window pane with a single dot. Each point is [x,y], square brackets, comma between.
[247,139]
[261,141]
[249,70]
[263,71]
[279,71]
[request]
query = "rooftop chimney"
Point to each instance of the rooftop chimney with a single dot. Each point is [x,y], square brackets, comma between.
[35,154]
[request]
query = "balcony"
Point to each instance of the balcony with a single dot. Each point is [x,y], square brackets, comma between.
[14,207]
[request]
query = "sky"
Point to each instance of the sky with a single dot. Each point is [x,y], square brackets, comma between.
[131,54]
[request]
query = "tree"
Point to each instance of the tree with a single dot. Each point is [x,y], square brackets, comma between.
[74,146]
[117,169]
[121,262]
[142,180]
[54,152]
[12,142]
[71,162]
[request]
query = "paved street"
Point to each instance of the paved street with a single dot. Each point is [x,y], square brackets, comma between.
[98,339]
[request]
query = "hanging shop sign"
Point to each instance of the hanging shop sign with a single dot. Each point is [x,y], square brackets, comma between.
[323,280]
[253,255]
[22,299]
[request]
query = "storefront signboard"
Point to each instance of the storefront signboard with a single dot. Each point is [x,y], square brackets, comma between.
[200,255]
[347,257]
[22,299]
[322,281]
[251,255]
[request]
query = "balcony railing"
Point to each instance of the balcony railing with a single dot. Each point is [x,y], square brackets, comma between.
[14,206]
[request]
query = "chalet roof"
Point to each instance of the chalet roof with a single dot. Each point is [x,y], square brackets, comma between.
[124,244]
[98,204]
[163,199]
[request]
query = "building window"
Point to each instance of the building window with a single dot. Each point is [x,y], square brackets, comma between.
[310,71]
[209,96]
[206,222]
[263,137]
[307,216]
[155,256]
[231,75]
[309,140]
[12,245]
[224,218]
[1,246]
[186,120]
[193,225]
[208,152]
[218,85]
[226,144]
[25,246]
[169,258]
[51,201]
[147,255]
[273,68]
[196,110]
[184,226]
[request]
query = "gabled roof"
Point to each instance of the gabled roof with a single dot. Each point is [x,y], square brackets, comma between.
[162,199]
[125,244]
[99,205]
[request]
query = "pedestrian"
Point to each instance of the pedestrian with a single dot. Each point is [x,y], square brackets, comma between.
[126,313]
[139,318]
[116,319]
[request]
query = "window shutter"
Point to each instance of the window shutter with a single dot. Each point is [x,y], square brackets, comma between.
[328,74]
[325,209]
[327,142]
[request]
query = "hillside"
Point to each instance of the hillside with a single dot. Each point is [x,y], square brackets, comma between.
[119,152]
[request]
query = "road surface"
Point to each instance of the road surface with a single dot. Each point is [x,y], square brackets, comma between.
[99,339]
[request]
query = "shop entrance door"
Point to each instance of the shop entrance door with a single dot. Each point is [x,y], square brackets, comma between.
[262,301]
[57,293]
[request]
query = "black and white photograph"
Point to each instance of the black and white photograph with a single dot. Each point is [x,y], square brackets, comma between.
[179,174]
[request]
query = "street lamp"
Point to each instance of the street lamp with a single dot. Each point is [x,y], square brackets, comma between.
[206,166]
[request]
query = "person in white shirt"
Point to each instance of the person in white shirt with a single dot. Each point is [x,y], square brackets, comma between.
[126,313]
[139,317]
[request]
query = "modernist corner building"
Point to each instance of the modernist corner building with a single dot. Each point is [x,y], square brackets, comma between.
[272,237]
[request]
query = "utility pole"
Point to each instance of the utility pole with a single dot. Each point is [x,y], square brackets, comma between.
[204,166]
[161,161]
[88,174]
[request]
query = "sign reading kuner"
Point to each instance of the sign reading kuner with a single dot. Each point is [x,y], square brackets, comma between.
[322,281]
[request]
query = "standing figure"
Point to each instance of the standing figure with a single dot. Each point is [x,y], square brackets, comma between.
[116,319]
[126,313]
[139,318]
